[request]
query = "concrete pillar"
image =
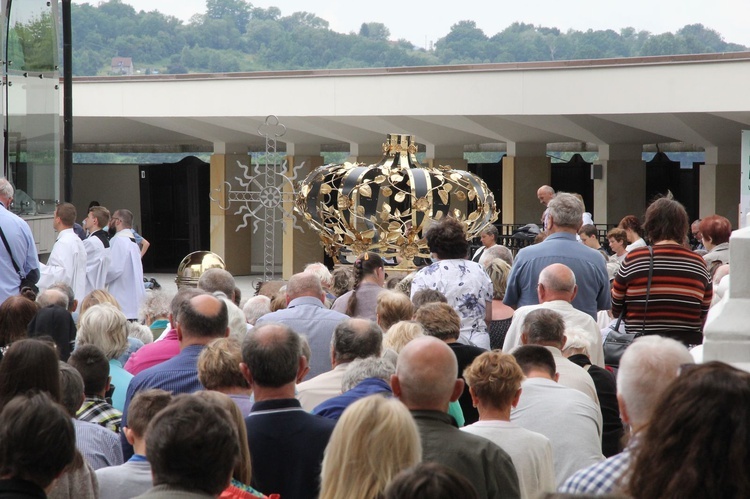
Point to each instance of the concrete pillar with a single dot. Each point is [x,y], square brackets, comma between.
[365,153]
[526,167]
[720,183]
[727,337]
[452,156]
[300,248]
[622,189]
[232,245]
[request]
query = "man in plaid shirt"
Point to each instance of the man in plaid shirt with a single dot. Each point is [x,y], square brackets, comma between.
[647,367]
[93,365]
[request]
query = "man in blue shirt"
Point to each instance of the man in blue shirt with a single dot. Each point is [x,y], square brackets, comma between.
[306,315]
[200,320]
[564,216]
[21,242]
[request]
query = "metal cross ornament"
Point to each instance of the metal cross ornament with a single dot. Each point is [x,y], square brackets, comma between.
[266,195]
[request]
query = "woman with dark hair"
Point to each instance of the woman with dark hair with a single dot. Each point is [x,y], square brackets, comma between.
[29,364]
[464,283]
[32,364]
[56,323]
[697,444]
[715,231]
[369,277]
[15,314]
[680,291]
[632,227]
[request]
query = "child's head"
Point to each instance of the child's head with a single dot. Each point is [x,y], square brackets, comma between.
[142,409]
[90,361]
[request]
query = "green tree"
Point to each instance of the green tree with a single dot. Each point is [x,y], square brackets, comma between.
[375,31]
[237,11]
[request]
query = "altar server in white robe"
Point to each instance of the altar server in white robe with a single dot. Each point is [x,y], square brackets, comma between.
[67,261]
[97,248]
[125,273]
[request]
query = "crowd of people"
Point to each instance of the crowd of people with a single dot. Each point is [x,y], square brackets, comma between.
[482,374]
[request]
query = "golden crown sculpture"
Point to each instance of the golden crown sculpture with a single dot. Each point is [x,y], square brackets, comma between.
[386,207]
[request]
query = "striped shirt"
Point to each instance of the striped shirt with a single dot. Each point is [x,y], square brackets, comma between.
[681,293]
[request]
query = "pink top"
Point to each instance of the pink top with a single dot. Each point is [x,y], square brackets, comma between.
[154,353]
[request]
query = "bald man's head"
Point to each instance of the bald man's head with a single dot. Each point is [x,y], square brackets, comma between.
[426,375]
[545,193]
[557,282]
[304,284]
[203,316]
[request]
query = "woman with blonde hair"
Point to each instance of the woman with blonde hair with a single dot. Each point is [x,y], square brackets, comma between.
[373,441]
[219,370]
[106,327]
[97,297]
[502,314]
[393,306]
[401,333]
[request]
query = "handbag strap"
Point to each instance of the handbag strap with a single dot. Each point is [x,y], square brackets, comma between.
[12,260]
[648,285]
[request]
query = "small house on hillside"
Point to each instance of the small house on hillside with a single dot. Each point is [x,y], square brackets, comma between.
[122,66]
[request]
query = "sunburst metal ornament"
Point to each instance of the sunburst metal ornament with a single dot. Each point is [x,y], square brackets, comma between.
[386,207]
[265,191]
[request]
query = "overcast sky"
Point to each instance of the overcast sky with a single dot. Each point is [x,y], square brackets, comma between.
[422,21]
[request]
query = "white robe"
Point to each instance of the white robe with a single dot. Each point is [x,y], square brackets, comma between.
[66,263]
[125,273]
[97,263]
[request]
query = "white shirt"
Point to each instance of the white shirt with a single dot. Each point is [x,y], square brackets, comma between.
[640,243]
[531,454]
[572,317]
[322,387]
[571,422]
[97,263]
[125,273]
[66,263]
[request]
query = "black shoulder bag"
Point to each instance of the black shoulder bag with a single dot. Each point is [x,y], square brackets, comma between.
[617,341]
[25,281]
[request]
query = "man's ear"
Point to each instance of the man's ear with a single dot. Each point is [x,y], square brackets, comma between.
[395,386]
[474,398]
[302,369]
[524,339]
[575,292]
[458,389]
[556,378]
[179,332]
[516,398]
[246,373]
[226,333]
[623,409]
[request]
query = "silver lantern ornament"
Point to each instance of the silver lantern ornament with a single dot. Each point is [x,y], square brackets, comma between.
[386,207]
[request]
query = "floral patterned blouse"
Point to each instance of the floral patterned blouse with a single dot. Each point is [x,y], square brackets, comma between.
[468,289]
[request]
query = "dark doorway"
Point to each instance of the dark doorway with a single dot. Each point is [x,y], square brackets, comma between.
[662,176]
[574,176]
[174,211]
[492,174]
